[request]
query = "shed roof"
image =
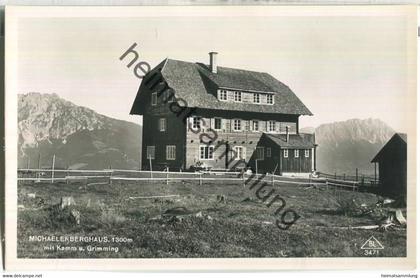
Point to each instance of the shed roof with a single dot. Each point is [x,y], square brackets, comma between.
[400,138]
[296,141]
[196,85]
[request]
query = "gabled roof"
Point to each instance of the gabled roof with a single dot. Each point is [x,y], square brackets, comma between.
[397,138]
[197,85]
[296,141]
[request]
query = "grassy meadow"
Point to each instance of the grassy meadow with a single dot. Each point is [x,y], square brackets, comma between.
[215,219]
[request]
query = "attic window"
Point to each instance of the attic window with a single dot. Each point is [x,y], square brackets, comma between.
[222,95]
[270,99]
[237,96]
[256,98]
[196,123]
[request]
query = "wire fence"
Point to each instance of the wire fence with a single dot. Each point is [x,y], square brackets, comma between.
[108,176]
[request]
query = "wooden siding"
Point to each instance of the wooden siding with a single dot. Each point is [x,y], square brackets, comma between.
[278,162]
[173,135]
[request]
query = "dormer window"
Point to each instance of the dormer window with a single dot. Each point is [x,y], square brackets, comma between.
[223,95]
[256,98]
[196,123]
[237,96]
[270,99]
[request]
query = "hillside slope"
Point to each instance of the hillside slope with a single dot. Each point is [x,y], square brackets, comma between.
[345,146]
[78,136]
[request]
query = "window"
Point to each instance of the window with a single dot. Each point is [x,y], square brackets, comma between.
[296,153]
[206,152]
[169,96]
[154,99]
[270,99]
[162,124]
[239,152]
[256,98]
[286,153]
[259,155]
[237,96]
[268,152]
[170,152]
[254,125]
[222,95]
[196,122]
[306,153]
[236,125]
[217,123]
[271,126]
[150,153]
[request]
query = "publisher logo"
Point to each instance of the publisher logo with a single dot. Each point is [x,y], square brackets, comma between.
[371,247]
[372,244]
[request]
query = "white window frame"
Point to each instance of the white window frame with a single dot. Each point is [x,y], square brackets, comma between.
[296,153]
[257,98]
[286,153]
[268,152]
[242,153]
[223,93]
[154,99]
[270,96]
[162,124]
[209,157]
[220,123]
[150,152]
[237,96]
[252,125]
[261,152]
[169,96]
[196,122]
[271,126]
[170,152]
[234,124]
[307,153]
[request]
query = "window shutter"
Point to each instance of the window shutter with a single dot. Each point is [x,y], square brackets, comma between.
[246,125]
[277,126]
[267,126]
[212,123]
[228,125]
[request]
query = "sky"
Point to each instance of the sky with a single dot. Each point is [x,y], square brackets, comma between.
[340,67]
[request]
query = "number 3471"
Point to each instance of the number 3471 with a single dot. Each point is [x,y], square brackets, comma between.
[371,252]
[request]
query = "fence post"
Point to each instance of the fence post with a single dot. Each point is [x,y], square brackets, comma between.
[167,175]
[52,172]
[256,167]
[357,174]
[39,168]
[150,164]
[243,178]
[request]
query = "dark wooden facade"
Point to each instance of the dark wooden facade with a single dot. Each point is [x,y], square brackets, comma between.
[195,93]
[392,162]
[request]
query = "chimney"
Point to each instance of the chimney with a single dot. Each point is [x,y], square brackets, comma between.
[213,62]
[287,133]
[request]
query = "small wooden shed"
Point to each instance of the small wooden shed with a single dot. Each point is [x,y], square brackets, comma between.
[392,162]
